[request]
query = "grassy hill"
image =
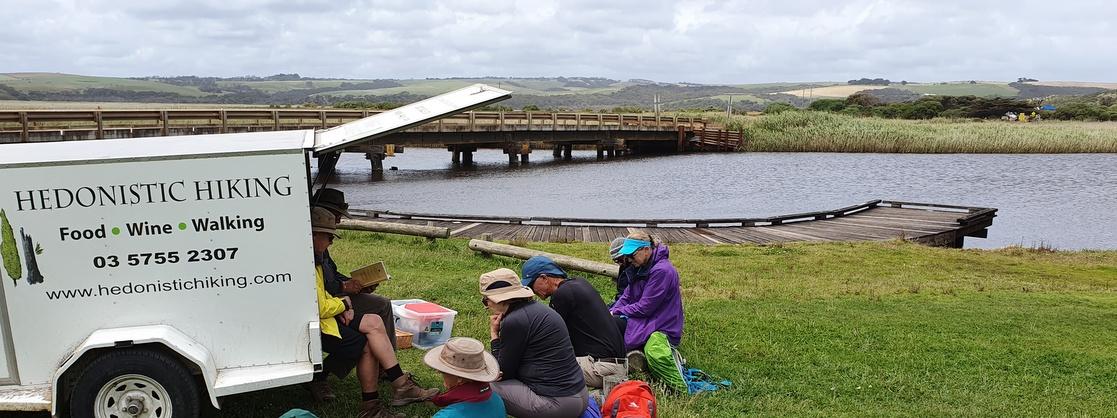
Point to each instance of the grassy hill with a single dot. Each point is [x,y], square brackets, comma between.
[570,93]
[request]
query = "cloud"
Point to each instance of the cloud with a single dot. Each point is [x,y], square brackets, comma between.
[699,41]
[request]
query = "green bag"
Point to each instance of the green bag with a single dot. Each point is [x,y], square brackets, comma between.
[664,363]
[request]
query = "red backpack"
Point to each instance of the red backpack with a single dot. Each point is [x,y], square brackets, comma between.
[631,399]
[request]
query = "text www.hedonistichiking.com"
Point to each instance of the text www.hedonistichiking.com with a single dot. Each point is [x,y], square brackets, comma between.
[176,285]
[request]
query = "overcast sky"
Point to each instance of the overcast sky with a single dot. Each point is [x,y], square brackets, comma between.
[672,41]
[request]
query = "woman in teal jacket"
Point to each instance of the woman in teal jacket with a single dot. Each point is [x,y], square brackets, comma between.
[466,370]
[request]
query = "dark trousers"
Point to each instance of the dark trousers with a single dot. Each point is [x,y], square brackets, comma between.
[343,352]
[374,304]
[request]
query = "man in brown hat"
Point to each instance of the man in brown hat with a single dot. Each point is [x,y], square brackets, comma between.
[338,324]
[541,377]
[364,301]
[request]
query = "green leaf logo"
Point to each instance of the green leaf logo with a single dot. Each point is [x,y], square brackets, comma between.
[9,250]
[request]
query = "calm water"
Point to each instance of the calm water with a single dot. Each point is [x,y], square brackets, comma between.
[1066,201]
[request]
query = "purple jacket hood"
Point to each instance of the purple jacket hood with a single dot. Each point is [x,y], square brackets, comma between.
[652,302]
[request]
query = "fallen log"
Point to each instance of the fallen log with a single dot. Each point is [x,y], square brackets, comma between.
[564,261]
[395,228]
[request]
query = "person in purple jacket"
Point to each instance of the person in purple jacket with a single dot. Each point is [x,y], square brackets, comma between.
[653,300]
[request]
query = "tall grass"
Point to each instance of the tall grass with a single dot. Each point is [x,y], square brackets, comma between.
[806,131]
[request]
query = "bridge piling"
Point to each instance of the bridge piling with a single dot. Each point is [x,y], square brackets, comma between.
[557,151]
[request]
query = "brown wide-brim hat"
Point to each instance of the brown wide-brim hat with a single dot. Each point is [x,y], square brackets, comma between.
[465,358]
[502,284]
[322,220]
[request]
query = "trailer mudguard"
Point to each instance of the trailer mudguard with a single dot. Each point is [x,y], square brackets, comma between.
[164,335]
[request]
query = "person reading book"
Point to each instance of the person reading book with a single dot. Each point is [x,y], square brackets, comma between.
[364,301]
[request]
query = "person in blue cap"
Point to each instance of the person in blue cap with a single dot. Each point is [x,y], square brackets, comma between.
[622,279]
[598,342]
[653,300]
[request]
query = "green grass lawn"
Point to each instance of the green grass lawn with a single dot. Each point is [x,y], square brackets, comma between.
[878,329]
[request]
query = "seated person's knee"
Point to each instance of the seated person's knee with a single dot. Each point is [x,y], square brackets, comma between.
[372,324]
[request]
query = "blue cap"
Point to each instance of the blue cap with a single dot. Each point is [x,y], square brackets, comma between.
[537,265]
[631,245]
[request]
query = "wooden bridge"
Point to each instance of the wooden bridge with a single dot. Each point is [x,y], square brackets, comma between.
[877,220]
[462,134]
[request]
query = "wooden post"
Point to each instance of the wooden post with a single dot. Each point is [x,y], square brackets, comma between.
[488,236]
[500,117]
[163,121]
[639,122]
[224,120]
[472,121]
[600,121]
[682,139]
[554,121]
[564,261]
[322,116]
[24,135]
[557,150]
[275,120]
[394,228]
[100,124]
[528,120]
[600,151]
[578,121]
[567,151]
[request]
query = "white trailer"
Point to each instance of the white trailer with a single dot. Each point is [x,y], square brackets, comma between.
[142,277]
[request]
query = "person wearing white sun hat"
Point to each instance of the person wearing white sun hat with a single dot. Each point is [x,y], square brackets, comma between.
[541,377]
[466,370]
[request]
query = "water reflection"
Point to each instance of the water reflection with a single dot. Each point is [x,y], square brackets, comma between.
[1063,200]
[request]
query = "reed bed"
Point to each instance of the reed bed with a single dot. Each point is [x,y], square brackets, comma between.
[806,131]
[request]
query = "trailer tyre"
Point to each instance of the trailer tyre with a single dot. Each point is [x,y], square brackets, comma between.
[134,383]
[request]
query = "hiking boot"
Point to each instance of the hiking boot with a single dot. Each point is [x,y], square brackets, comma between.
[375,409]
[320,391]
[405,391]
[637,361]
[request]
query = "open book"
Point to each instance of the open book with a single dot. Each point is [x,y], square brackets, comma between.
[371,274]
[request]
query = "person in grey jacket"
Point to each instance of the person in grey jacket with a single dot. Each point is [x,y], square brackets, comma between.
[540,376]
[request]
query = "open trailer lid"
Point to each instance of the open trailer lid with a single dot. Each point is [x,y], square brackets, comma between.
[405,117]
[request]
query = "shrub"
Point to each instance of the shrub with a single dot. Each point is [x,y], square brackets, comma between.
[862,99]
[827,105]
[952,114]
[775,108]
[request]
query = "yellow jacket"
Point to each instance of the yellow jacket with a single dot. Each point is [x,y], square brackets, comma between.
[328,307]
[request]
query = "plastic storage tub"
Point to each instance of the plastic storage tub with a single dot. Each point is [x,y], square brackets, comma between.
[430,323]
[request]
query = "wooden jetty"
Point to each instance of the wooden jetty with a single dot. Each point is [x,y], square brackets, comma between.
[877,220]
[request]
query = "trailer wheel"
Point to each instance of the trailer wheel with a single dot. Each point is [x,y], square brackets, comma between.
[134,383]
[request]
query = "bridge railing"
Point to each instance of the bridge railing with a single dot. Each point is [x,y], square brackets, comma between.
[42,125]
